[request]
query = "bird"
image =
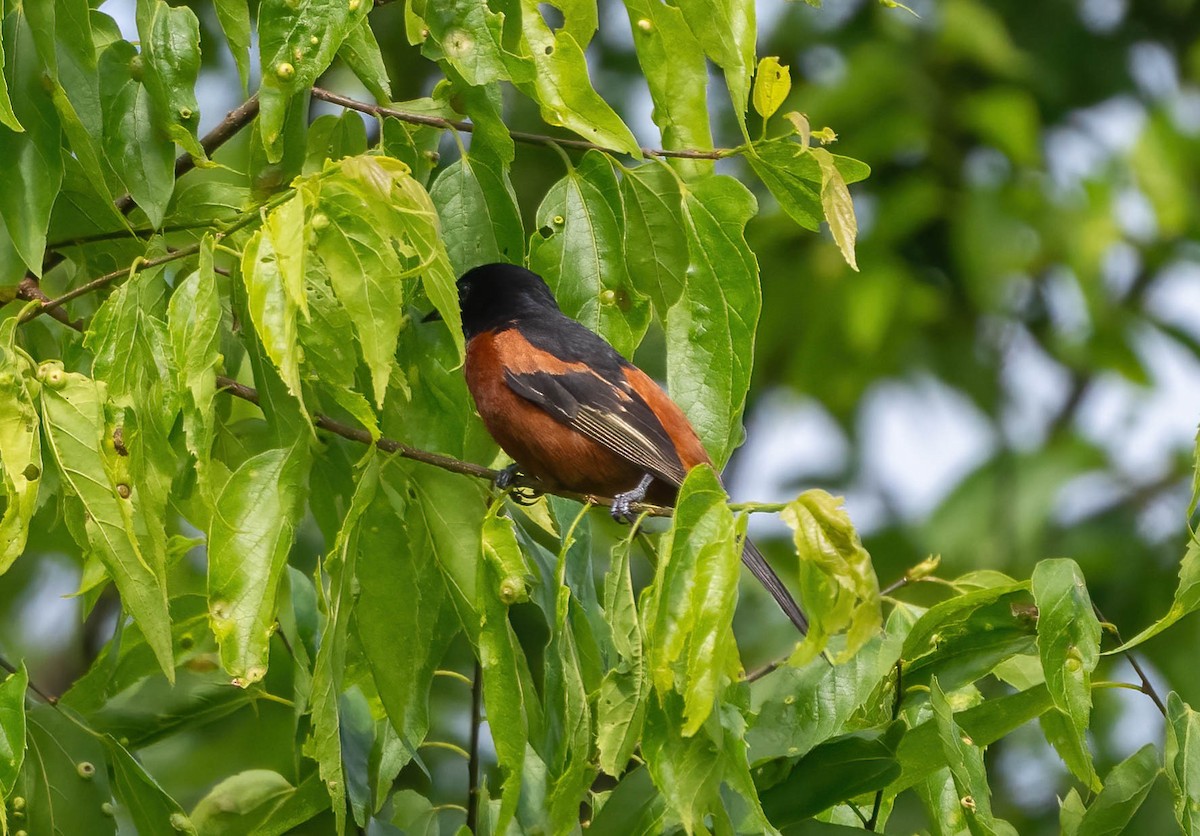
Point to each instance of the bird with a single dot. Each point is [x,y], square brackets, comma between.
[571,411]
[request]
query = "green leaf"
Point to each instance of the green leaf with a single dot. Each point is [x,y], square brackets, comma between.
[799,707]
[255,517]
[837,580]
[689,771]
[656,248]
[579,249]
[271,266]
[170,41]
[677,74]
[833,772]
[361,53]
[234,17]
[1186,601]
[20,446]
[403,670]
[259,802]
[375,228]
[478,212]
[635,807]
[621,705]
[297,41]
[1125,788]
[772,83]
[505,696]
[469,37]
[965,759]
[1182,755]
[329,667]
[12,729]
[921,750]
[838,206]
[194,323]
[8,117]
[73,412]
[33,157]
[64,780]
[689,613]
[1068,639]
[334,137]
[710,332]
[152,810]
[794,177]
[142,156]
[963,638]
[128,338]
[560,84]
[726,30]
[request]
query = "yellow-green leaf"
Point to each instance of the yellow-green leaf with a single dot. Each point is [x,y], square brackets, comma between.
[772,83]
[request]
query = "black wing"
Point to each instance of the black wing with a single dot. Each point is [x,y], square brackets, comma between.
[609,413]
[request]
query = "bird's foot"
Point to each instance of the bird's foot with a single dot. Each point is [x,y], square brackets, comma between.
[622,507]
[508,477]
[506,481]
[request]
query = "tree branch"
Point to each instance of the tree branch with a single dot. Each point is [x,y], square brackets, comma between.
[520,136]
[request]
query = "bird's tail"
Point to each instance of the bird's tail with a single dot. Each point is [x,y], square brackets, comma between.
[758,566]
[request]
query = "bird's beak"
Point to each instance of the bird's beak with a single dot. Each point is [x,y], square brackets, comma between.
[432,316]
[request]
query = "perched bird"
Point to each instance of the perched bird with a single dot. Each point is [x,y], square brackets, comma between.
[571,411]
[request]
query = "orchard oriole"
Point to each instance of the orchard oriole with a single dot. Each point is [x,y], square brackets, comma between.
[573,412]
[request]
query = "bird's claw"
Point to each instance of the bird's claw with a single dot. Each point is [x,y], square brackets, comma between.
[508,478]
[622,506]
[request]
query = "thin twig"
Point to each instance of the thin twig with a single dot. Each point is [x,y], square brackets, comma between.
[473,762]
[50,305]
[46,698]
[519,136]
[1147,688]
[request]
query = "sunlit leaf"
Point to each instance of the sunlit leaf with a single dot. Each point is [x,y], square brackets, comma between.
[73,412]
[254,519]
[297,42]
[560,82]
[20,447]
[772,83]
[837,580]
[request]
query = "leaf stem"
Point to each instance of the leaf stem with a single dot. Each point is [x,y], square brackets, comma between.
[448,746]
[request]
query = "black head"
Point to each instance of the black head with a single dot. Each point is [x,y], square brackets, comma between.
[494,295]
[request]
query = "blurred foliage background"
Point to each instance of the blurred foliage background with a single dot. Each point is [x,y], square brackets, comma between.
[1013,375]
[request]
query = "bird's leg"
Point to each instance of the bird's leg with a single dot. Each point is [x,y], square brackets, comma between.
[621,510]
[507,478]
